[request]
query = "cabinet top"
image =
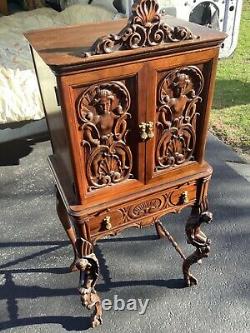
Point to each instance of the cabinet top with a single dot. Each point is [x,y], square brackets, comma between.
[144,35]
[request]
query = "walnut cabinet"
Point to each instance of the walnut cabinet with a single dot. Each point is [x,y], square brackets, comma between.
[128,118]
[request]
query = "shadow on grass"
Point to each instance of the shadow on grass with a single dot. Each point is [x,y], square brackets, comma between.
[230,93]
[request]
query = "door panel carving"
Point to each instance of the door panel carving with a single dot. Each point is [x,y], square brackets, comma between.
[178,95]
[102,111]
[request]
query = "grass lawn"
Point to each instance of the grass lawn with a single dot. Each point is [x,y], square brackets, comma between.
[230,118]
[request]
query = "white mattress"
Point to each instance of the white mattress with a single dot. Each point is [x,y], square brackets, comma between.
[19,94]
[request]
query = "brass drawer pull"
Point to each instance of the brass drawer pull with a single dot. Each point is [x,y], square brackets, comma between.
[184,197]
[107,222]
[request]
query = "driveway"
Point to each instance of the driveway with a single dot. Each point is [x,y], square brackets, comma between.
[37,294]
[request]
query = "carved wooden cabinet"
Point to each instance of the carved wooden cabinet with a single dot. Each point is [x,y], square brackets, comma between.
[129,130]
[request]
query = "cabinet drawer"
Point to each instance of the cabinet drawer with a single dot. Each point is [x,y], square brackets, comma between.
[183,195]
[105,222]
[146,208]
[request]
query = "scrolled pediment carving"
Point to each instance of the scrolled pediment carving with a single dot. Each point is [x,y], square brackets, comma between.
[144,29]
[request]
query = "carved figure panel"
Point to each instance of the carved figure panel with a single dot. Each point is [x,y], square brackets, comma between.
[178,97]
[103,112]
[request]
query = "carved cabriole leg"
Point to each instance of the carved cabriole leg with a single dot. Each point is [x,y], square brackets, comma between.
[88,265]
[194,234]
[199,253]
[67,225]
[202,202]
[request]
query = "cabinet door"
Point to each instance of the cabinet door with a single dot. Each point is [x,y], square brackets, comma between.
[105,114]
[178,108]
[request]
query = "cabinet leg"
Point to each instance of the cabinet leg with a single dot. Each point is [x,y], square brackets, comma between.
[198,239]
[68,227]
[89,271]
[163,232]
[195,237]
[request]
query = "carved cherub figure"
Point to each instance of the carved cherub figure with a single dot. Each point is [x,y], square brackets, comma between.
[103,119]
[181,87]
[193,231]
[104,124]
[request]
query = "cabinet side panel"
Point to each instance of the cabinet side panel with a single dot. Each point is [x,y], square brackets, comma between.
[48,87]
[202,130]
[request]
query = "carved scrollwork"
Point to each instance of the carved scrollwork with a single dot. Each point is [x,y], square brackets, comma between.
[144,28]
[178,96]
[103,112]
[194,234]
[147,207]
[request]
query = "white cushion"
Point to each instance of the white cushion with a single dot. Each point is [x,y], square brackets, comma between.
[107,4]
[19,97]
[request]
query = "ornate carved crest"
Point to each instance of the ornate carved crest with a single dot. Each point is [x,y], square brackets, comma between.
[144,28]
[102,112]
[178,96]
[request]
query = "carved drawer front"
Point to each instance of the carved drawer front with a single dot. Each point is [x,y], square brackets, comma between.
[144,210]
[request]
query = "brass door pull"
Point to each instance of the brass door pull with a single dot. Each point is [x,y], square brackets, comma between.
[143,133]
[150,129]
[146,130]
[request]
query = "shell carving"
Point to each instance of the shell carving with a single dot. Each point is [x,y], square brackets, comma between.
[146,207]
[146,13]
[144,29]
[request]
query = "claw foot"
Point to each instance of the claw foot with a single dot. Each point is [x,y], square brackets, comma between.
[73,267]
[195,257]
[96,320]
[89,297]
[190,281]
